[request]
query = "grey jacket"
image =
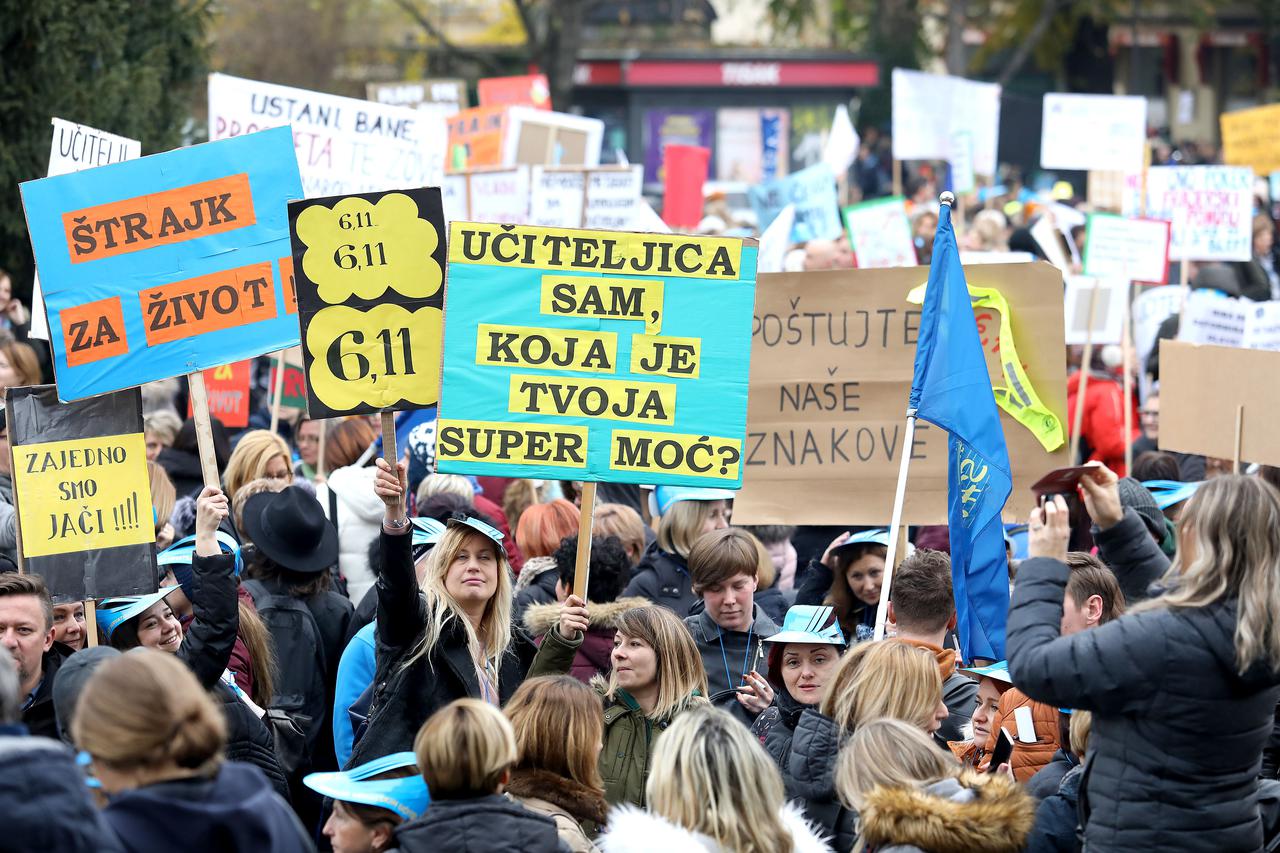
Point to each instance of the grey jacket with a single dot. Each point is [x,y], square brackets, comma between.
[960,695]
[1178,733]
[724,653]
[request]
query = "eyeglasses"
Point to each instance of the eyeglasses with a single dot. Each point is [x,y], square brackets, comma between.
[1148,414]
[308,439]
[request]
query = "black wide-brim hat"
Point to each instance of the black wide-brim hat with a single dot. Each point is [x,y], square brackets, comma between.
[289,527]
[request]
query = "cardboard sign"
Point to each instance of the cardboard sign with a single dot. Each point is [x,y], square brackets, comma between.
[77,147]
[443,95]
[930,109]
[880,233]
[228,389]
[1198,408]
[528,90]
[82,491]
[812,193]
[1097,132]
[541,137]
[1211,208]
[475,137]
[587,355]
[343,145]
[294,393]
[1108,297]
[168,264]
[1127,249]
[370,294]
[1249,138]
[832,361]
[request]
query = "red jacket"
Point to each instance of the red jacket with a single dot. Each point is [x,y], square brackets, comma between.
[1102,430]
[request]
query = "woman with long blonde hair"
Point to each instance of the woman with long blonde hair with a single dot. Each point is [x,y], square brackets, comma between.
[448,637]
[712,788]
[1183,687]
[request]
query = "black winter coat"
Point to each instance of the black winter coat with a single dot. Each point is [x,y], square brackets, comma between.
[1177,733]
[1133,555]
[809,775]
[776,727]
[1057,817]
[39,717]
[663,578]
[491,824]
[404,696]
[1046,780]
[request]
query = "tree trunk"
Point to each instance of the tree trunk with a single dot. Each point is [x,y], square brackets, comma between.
[1048,9]
[557,54]
[957,20]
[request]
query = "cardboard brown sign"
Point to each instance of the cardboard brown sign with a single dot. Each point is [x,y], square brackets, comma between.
[1198,409]
[831,366]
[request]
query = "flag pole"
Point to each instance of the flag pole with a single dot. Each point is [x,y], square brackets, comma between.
[899,496]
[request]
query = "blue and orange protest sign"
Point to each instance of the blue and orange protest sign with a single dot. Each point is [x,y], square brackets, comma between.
[168,264]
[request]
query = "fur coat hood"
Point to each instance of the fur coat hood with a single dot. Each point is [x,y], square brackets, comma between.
[634,831]
[971,814]
[541,618]
[573,798]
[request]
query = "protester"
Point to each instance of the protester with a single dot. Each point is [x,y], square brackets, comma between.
[730,629]
[306,438]
[685,515]
[657,674]
[771,600]
[163,499]
[1102,434]
[776,539]
[8,518]
[370,801]
[1257,282]
[456,640]
[68,625]
[608,569]
[1057,823]
[156,741]
[1202,656]
[159,429]
[558,729]
[349,502]
[26,629]
[14,316]
[848,577]
[802,658]
[466,751]
[18,366]
[258,453]
[912,798]
[70,683]
[712,789]
[625,523]
[993,682]
[542,528]
[922,610]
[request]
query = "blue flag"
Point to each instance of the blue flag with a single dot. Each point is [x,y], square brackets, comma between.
[952,389]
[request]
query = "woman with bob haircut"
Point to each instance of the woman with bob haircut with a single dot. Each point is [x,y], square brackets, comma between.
[449,638]
[657,674]
[662,575]
[559,729]
[370,801]
[712,788]
[466,752]
[1203,655]
[541,529]
[258,453]
[156,739]
[913,798]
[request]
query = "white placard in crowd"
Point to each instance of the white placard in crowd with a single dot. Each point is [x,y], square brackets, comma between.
[842,143]
[967,258]
[556,197]
[500,196]
[77,147]
[1211,208]
[1210,318]
[453,197]
[1130,249]
[775,241]
[647,219]
[1108,297]
[1093,132]
[929,109]
[962,162]
[343,145]
[613,197]
[1151,307]
[880,233]
[1046,237]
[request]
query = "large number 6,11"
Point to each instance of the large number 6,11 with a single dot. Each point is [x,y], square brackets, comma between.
[348,257]
[337,359]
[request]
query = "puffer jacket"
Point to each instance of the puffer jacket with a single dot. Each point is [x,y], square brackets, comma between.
[359,522]
[1102,429]
[1133,555]
[634,831]
[663,578]
[492,824]
[594,656]
[970,814]
[1058,817]
[1027,758]
[809,775]
[776,726]
[1178,732]
[1045,783]
[578,811]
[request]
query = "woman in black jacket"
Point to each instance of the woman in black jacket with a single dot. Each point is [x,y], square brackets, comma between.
[848,578]
[1182,688]
[451,640]
[662,575]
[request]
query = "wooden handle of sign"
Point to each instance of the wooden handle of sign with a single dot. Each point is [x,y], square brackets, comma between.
[1085,361]
[586,514]
[389,439]
[204,429]
[1126,344]
[897,176]
[324,434]
[1235,462]
[277,393]
[90,623]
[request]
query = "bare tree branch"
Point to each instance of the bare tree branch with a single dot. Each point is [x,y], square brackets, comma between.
[411,9]
[1048,9]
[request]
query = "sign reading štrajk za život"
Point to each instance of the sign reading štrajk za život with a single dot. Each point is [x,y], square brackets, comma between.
[602,356]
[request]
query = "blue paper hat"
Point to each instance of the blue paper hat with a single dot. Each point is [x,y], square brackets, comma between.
[177,558]
[476,524]
[666,496]
[809,623]
[114,612]
[1170,492]
[426,533]
[406,797]
[998,670]
[879,536]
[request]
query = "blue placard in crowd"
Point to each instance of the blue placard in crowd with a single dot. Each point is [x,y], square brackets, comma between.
[813,192]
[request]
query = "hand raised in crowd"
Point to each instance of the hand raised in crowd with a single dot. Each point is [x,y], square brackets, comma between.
[573,618]
[835,543]
[17,312]
[390,487]
[211,508]
[756,693]
[1101,491]
[1049,530]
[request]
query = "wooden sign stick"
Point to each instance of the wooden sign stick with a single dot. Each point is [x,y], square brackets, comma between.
[90,623]
[324,430]
[582,566]
[277,392]
[1235,462]
[204,429]
[1126,345]
[389,439]
[1085,360]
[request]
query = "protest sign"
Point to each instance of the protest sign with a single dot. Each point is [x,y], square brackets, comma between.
[475,137]
[962,179]
[751,144]
[293,391]
[1129,249]
[1210,318]
[589,355]
[1047,238]
[832,362]
[77,147]
[83,494]
[880,233]
[443,95]
[556,197]
[1107,191]
[1249,138]
[1201,401]
[613,197]
[968,258]
[812,193]
[1107,311]
[842,144]
[453,196]
[541,137]
[499,195]
[775,241]
[168,264]
[1211,208]
[684,173]
[370,273]
[1093,132]
[929,109]
[1151,307]
[527,90]
[343,145]
[227,387]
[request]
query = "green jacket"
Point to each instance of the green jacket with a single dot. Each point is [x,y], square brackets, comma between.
[628,734]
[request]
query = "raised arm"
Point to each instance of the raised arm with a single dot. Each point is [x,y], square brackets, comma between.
[1123,540]
[401,611]
[559,645]
[214,599]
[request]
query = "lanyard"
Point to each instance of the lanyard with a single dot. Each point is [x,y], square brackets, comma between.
[746,654]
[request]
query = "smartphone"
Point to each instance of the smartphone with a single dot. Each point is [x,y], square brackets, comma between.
[1063,481]
[1002,752]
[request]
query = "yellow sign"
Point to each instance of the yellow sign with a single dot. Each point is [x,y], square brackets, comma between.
[616,399]
[608,298]
[513,443]
[547,349]
[674,453]
[83,494]
[666,356]
[1249,139]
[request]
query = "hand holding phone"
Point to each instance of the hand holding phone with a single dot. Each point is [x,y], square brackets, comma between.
[1002,752]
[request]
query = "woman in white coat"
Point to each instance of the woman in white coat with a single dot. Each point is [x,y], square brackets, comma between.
[349,501]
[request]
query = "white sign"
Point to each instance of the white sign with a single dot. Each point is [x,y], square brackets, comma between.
[1151,307]
[533,136]
[556,197]
[77,147]
[930,109]
[842,143]
[1211,208]
[967,258]
[1129,249]
[880,233]
[775,241]
[343,145]
[613,197]
[648,220]
[1210,318]
[453,197]
[1093,132]
[1108,297]
[962,162]
[500,196]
